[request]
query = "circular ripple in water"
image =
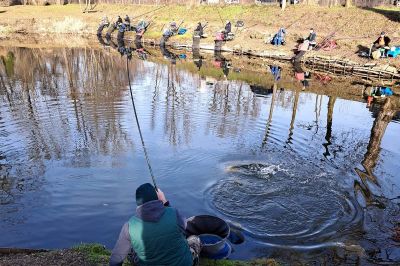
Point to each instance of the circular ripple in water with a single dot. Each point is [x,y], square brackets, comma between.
[286,205]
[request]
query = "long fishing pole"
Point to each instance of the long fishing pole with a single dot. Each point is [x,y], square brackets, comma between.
[138,126]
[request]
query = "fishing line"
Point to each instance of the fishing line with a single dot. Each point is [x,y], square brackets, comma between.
[138,126]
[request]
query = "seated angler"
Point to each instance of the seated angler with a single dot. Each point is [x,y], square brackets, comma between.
[199,30]
[301,50]
[127,23]
[312,38]
[140,30]
[228,29]
[119,21]
[113,27]
[104,23]
[168,33]
[155,233]
[279,38]
[382,44]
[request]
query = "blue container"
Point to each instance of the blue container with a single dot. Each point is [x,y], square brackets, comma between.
[213,233]
[394,52]
[182,31]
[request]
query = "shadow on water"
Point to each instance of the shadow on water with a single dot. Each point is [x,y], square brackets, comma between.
[308,172]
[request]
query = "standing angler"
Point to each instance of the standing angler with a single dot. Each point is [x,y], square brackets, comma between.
[155,233]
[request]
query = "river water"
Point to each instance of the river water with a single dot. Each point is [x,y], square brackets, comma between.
[308,175]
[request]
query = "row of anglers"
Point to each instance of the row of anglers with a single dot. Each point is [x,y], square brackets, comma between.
[173,28]
[380,48]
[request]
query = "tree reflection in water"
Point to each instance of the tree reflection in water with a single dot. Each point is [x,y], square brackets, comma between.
[69,105]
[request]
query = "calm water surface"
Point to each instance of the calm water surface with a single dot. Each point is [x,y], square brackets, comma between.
[306,176]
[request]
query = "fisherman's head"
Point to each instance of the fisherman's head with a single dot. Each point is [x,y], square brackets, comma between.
[228,22]
[173,24]
[311,30]
[382,34]
[145,193]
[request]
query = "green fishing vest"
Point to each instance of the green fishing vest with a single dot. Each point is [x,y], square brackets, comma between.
[160,243]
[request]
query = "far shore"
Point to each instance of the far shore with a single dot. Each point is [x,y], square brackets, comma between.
[354,28]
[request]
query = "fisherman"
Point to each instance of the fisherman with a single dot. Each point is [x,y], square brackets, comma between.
[199,31]
[312,38]
[155,233]
[168,33]
[301,50]
[228,27]
[104,23]
[127,22]
[279,38]
[382,44]
[113,27]
[140,29]
[227,30]
[119,21]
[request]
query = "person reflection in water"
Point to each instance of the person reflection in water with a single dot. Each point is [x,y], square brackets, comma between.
[221,62]
[197,59]
[168,55]
[155,235]
[140,51]
[300,75]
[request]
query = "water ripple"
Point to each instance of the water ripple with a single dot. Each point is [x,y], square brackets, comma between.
[279,204]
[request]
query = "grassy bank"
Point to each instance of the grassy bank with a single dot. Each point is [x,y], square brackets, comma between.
[355,28]
[96,254]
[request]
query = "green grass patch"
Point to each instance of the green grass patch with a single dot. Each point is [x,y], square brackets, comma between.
[95,253]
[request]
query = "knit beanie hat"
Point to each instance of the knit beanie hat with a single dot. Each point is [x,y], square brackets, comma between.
[145,193]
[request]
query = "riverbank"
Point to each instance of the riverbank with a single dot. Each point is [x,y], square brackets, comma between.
[97,254]
[355,28]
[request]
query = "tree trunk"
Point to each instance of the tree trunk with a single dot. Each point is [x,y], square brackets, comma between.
[283,5]
[348,3]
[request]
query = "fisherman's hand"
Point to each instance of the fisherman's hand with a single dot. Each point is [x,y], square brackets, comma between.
[161,196]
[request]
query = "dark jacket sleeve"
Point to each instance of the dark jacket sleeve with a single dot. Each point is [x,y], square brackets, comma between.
[387,41]
[181,220]
[122,247]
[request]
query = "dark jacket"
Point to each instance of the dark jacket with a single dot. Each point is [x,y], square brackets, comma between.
[385,38]
[312,37]
[199,29]
[151,211]
[228,27]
